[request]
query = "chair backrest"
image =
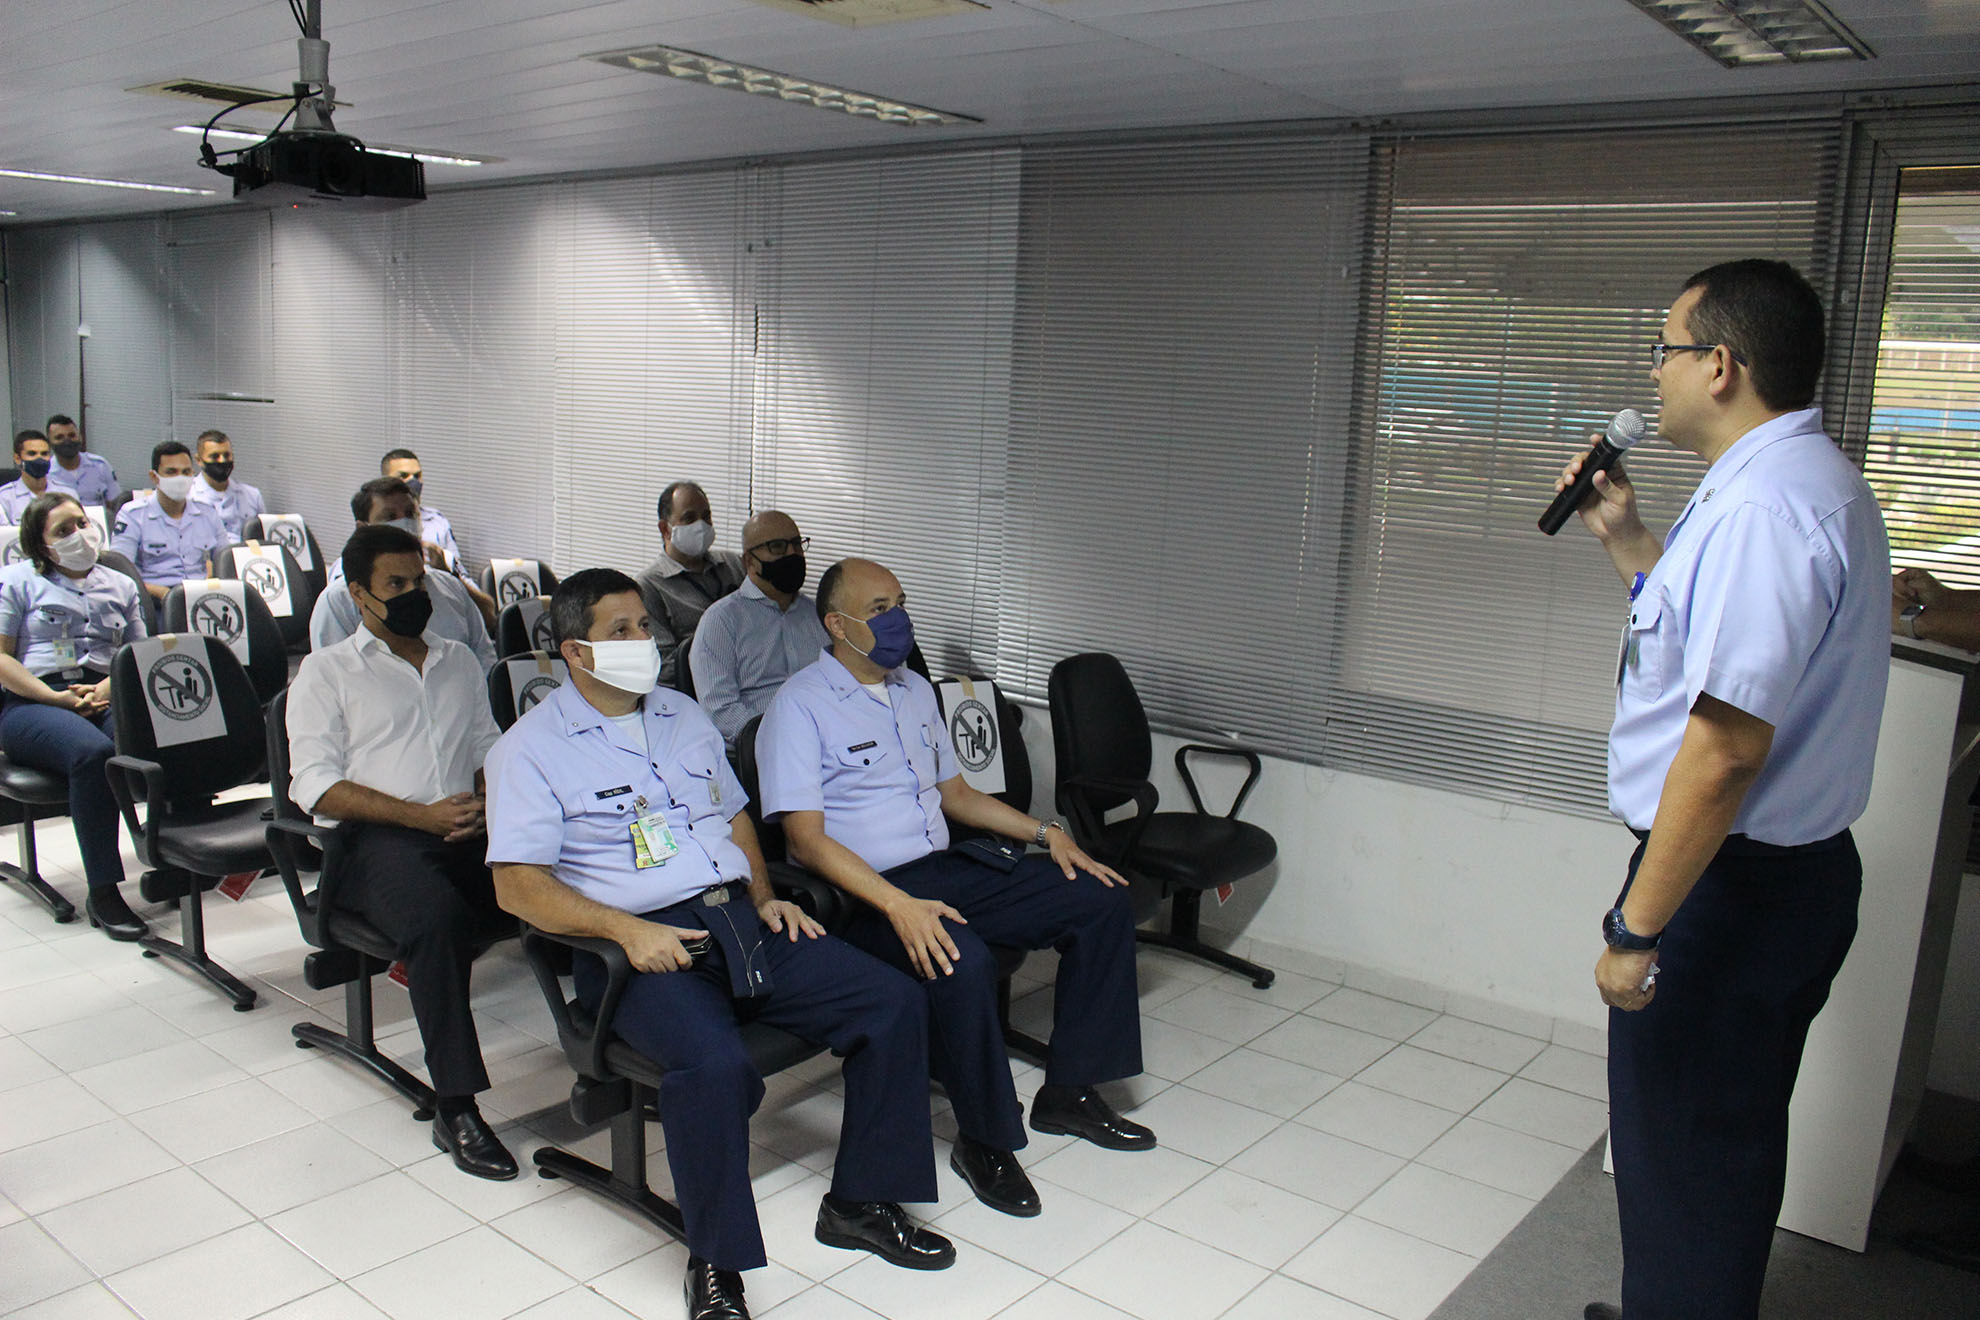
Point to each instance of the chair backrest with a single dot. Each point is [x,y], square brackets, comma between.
[245,625]
[523,626]
[511,580]
[518,682]
[683,670]
[278,759]
[183,701]
[770,837]
[1098,725]
[289,530]
[271,570]
[122,564]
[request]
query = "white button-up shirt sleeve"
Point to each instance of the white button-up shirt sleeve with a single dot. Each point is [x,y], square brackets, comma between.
[318,738]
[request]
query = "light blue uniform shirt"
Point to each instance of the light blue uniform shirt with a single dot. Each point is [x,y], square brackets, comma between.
[455,614]
[168,550]
[64,625]
[434,527]
[565,784]
[94,481]
[14,497]
[743,650]
[1772,595]
[236,505]
[872,766]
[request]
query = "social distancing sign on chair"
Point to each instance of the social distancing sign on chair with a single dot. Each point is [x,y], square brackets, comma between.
[286,529]
[536,623]
[969,709]
[12,552]
[515,580]
[260,566]
[218,609]
[532,678]
[179,690]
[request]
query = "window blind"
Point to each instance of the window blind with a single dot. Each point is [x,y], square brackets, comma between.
[127,359]
[220,290]
[44,303]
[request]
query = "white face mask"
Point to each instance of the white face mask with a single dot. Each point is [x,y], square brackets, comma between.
[410,526]
[177,488]
[693,539]
[78,550]
[630,666]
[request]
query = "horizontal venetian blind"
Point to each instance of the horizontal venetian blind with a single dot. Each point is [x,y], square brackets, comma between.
[1519,284]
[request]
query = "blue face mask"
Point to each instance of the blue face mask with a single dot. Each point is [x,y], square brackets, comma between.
[34,467]
[893,637]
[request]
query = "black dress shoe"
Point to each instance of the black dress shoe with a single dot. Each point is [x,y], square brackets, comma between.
[995,1177]
[884,1229]
[1601,1311]
[473,1144]
[108,911]
[1081,1112]
[713,1294]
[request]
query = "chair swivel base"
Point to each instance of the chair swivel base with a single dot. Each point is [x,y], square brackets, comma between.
[313,1035]
[192,953]
[1183,935]
[643,1201]
[40,891]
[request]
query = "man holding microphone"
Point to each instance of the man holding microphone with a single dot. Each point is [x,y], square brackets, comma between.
[1750,690]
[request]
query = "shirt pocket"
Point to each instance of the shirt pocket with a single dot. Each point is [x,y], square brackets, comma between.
[1647,647]
[700,788]
[51,623]
[921,754]
[603,814]
[865,757]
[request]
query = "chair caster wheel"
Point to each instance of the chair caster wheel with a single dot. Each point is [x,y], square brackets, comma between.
[302,1044]
[548,1175]
[422,1115]
[151,953]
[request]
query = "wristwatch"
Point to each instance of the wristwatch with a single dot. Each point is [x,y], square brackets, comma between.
[1045,827]
[1910,615]
[1617,934]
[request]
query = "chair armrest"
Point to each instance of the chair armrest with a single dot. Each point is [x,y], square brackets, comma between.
[1244,754]
[1087,819]
[126,773]
[286,839]
[820,898]
[585,1049]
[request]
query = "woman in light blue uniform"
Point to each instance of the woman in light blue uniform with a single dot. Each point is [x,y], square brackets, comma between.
[62,617]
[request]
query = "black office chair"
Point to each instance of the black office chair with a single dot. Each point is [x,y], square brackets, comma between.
[350,951]
[683,669]
[513,693]
[297,539]
[112,560]
[218,617]
[268,572]
[26,796]
[525,578]
[1104,754]
[184,830]
[523,626]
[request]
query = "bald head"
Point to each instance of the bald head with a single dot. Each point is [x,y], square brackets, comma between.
[773,556]
[858,587]
[770,525]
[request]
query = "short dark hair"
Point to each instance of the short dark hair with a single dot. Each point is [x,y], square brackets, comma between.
[34,526]
[828,590]
[370,541]
[378,488]
[666,504]
[1772,320]
[164,449]
[572,603]
[217,437]
[61,419]
[392,454]
[22,437]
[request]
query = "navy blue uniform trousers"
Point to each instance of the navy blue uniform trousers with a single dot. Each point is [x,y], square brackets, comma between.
[823,991]
[1096,1012]
[1699,1081]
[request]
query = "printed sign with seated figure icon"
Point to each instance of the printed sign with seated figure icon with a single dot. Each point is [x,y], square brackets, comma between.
[969,710]
[515,580]
[218,610]
[286,529]
[260,567]
[179,690]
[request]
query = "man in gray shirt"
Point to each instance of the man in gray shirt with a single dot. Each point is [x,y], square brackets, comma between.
[687,578]
[753,639]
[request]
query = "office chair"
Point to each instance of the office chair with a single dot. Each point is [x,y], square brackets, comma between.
[1104,754]
[173,681]
[30,795]
[523,626]
[350,951]
[250,623]
[111,559]
[295,536]
[269,570]
[518,682]
[683,670]
[520,579]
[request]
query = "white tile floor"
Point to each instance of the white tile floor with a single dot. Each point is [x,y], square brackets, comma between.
[1327,1153]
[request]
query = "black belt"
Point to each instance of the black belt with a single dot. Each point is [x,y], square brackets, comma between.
[1740,845]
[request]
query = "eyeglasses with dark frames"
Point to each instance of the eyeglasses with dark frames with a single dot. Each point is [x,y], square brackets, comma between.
[1658,352]
[779,548]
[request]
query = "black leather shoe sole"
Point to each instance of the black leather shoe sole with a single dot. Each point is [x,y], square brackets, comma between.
[1024,1206]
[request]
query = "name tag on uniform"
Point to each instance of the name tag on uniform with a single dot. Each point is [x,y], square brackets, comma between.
[653,841]
[64,649]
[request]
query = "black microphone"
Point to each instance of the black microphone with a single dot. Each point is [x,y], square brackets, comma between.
[1625,430]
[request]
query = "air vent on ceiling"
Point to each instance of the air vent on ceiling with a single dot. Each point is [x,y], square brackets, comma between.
[213,93]
[871,13]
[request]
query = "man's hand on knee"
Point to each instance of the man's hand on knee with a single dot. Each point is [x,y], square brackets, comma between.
[918,923]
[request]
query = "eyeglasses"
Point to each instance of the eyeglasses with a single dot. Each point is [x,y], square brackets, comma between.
[1657,352]
[777,549]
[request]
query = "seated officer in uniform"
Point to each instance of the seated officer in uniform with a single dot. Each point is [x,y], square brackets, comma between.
[169,538]
[90,477]
[688,577]
[613,813]
[387,731]
[386,501]
[32,456]
[237,503]
[62,618]
[754,638]
[855,762]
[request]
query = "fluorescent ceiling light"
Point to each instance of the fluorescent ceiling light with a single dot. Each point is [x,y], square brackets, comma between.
[1742,32]
[106,183]
[674,63]
[248,135]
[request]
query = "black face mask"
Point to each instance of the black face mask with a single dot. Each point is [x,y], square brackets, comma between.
[34,467]
[406,614]
[786,575]
[219,469]
[68,449]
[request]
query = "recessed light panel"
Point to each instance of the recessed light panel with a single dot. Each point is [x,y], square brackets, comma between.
[670,62]
[106,183]
[1742,32]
